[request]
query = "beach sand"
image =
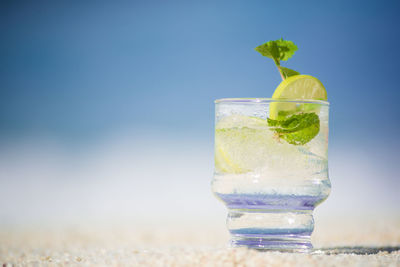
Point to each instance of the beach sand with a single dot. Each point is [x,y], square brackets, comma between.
[336,243]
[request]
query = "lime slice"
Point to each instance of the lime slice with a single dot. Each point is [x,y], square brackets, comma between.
[245,144]
[240,150]
[296,87]
[223,163]
[241,143]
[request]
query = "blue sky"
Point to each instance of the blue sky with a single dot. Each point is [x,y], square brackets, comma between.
[80,70]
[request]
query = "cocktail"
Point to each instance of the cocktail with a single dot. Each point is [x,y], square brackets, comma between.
[271,163]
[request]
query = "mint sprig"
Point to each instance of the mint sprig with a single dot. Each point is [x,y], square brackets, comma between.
[279,50]
[298,129]
[294,128]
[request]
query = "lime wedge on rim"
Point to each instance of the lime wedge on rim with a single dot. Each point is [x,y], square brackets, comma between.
[297,87]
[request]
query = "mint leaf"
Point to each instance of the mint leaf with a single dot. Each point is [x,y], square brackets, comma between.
[278,50]
[298,129]
[288,72]
[269,49]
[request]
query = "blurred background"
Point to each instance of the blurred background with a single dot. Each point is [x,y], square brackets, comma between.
[106,108]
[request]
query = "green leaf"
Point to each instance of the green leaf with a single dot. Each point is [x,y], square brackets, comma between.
[288,72]
[269,49]
[298,129]
[277,50]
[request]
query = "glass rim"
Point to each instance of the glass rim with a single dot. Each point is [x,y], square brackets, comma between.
[268,100]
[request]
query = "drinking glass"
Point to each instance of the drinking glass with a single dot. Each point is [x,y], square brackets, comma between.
[270,183]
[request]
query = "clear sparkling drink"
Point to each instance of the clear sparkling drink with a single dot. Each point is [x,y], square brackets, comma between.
[271,175]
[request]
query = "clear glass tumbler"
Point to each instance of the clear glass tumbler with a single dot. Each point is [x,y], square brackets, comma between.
[271,173]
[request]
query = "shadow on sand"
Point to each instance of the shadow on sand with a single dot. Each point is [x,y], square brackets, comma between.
[356,250]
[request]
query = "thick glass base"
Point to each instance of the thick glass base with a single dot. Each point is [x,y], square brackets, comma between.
[283,223]
[283,230]
[271,222]
[284,243]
